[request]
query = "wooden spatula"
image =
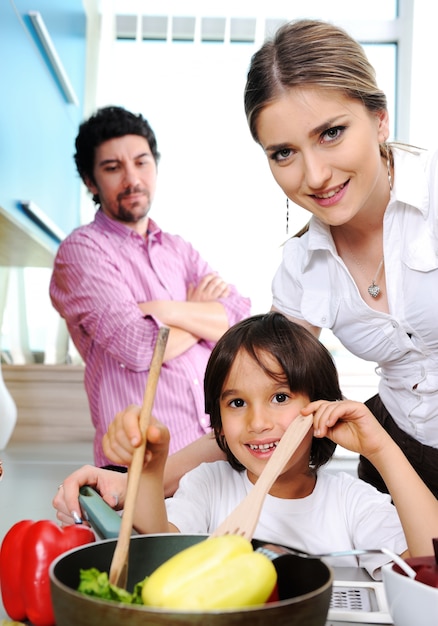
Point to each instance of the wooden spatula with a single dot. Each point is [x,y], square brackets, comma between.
[243,520]
[119,565]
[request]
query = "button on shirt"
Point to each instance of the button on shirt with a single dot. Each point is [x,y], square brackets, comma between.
[313,284]
[102,270]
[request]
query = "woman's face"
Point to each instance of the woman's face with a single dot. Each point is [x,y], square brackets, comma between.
[323,150]
[255,411]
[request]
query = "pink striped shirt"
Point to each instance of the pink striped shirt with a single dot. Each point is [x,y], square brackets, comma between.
[102,270]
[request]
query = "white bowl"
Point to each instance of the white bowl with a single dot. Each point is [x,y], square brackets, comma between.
[410,602]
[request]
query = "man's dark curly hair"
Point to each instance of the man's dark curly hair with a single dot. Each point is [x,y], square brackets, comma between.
[307,368]
[108,123]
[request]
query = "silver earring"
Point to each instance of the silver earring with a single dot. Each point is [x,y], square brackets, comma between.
[388,165]
[287,216]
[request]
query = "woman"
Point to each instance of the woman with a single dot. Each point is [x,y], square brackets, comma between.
[366,266]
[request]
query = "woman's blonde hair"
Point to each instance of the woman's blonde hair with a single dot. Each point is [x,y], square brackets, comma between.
[314,53]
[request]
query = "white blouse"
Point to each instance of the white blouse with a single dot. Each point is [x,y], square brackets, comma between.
[313,284]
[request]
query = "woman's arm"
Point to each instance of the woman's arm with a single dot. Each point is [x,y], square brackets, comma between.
[315,330]
[112,484]
[353,426]
[203,450]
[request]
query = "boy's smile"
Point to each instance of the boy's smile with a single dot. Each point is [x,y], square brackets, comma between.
[256,409]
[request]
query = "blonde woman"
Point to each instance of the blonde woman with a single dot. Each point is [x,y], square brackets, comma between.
[366,266]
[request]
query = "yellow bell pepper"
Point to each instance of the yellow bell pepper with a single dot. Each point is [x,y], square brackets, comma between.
[217,573]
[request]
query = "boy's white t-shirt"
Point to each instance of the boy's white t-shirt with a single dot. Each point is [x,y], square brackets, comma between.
[343,512]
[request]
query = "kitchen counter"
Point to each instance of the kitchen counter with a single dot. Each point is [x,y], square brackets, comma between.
[33,471]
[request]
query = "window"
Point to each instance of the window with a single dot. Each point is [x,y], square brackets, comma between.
[188,80]
[183,65]
[214,185]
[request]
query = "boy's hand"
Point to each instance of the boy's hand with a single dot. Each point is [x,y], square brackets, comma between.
[349,424]
[123,437]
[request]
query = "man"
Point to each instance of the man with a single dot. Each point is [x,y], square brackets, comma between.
[119,278]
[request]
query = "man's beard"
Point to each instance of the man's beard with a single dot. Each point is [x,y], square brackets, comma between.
[130,215]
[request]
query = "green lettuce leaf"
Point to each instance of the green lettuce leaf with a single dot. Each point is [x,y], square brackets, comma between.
[95,583]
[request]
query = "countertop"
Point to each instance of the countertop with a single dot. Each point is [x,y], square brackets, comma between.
[32,473]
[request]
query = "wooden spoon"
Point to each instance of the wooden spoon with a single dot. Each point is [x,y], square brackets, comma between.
[244,518]
[119,565]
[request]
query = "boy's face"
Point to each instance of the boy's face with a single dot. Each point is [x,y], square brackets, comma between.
[256,410]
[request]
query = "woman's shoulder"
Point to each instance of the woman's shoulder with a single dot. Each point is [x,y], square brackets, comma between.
[410,154]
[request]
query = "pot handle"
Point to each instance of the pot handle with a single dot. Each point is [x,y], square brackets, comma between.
[104,520]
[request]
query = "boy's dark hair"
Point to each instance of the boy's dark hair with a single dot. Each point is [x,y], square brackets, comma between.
[108,123]
[306,364]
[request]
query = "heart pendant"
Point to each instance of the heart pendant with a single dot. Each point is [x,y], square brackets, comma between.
[374,290]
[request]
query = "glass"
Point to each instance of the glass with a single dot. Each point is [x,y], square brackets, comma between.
[383,57]
[335,9]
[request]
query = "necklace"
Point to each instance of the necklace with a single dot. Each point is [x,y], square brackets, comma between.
[373,289]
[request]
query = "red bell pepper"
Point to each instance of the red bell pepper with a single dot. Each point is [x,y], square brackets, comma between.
[26,553]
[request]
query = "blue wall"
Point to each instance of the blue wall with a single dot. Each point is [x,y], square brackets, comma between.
[37,125]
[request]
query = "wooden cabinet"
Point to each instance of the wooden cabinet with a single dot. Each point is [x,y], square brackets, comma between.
[51,403]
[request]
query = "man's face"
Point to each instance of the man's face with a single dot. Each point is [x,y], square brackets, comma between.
[125,174]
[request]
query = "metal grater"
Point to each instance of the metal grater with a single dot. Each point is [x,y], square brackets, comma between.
[351,601]
[357,601]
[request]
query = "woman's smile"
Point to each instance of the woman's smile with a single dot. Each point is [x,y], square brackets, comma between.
[331,197]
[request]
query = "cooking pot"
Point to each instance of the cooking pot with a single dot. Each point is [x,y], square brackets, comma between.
[304,588]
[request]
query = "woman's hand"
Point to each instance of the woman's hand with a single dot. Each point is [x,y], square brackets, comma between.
[119,443]
[349,424]
[110,484]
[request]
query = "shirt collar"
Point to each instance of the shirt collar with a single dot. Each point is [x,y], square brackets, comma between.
[122,231]
[410,182]
[319,238]
[154,231]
